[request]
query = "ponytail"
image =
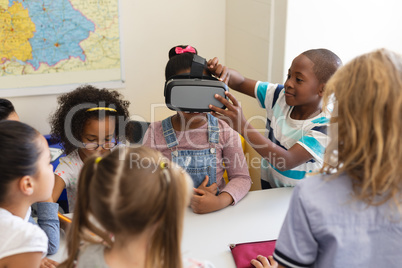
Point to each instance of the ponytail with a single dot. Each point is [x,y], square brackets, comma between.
[166,241]
[81,224]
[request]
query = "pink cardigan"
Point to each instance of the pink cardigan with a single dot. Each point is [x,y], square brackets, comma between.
[229,151]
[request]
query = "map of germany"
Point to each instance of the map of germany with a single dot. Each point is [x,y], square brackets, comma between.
[58,36]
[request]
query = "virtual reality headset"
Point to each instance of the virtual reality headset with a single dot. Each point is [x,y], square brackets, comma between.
[194,92]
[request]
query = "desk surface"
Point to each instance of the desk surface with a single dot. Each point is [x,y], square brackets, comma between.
[259,216]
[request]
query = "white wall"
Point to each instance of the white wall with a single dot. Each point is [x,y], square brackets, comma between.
[348,28]
[149,30]
[255,41]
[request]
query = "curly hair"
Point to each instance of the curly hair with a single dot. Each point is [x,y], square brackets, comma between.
[72,114]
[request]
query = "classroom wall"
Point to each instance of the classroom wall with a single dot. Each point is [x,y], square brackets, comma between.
[348,28]
[149,30]
[254,45]
[255,41]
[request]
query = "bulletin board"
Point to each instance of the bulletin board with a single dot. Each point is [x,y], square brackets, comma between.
[51,46]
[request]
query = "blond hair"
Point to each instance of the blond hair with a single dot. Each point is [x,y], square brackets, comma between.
[128,191]
[366,126]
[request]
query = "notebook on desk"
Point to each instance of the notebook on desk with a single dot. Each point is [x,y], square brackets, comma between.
[243,253]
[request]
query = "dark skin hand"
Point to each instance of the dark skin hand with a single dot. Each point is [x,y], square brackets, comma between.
[280,158]
[205,200]
[232,77]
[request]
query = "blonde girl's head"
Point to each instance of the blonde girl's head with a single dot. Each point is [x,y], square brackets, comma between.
[366,125]
[127,192]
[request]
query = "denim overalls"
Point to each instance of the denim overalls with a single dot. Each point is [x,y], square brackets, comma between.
[198,163]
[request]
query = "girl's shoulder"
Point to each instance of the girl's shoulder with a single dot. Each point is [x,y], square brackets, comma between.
[70,164]
[155,130]
[72,157]
[18,235]
[155,125]
[226,131]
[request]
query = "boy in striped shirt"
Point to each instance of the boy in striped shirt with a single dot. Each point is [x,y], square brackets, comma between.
[296,129]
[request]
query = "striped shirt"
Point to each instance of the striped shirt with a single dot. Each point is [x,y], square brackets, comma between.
[285,132]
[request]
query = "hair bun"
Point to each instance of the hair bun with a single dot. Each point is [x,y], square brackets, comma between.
[177,50]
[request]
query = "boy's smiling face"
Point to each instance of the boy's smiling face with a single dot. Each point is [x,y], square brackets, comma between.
[302,87]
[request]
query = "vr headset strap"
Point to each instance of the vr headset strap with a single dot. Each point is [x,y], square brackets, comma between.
[197,67]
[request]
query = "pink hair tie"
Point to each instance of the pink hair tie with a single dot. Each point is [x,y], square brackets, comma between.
[180,50]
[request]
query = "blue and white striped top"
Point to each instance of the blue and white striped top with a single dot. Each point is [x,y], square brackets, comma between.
[285,132]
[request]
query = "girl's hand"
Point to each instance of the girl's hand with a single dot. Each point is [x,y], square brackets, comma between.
[203,201]
[218,70]
[48,263]
[263,262]
[213,188]
[233,116]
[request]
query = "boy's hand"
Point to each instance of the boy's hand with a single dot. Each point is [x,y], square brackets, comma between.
[213,188]
[48,263]
[233,116]
[203,201]
[220,71]
[263,262]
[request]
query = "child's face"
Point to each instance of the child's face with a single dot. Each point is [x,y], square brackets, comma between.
[44,178]
[302,86]
[99,132]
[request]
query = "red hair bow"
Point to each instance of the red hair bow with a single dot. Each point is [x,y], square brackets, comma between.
[180,50]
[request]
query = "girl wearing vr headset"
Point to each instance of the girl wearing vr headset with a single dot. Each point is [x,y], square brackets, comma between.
[202,144]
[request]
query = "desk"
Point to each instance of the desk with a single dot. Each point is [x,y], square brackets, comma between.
[259,216]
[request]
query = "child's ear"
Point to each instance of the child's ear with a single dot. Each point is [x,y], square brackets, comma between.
[321,89]
[26,185]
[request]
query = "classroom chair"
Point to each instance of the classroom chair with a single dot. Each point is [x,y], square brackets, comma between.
[56,152]
[137,130]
